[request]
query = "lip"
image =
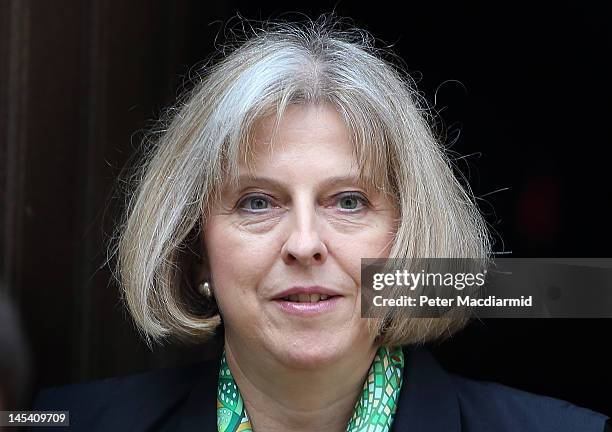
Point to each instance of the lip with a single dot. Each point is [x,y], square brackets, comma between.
[306,309]
[313,289]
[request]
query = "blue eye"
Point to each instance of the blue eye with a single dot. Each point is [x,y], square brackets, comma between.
[352,201]
[254,203]
[349,203]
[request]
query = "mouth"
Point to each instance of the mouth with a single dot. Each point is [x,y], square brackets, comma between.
[308,301]
[307,294]
[306,298]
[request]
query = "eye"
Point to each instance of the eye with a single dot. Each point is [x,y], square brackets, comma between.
[353,202]
[349,202]
[254,203]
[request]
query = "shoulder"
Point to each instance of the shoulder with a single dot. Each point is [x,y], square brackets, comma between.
[433,399]
[492,406]
[135,402]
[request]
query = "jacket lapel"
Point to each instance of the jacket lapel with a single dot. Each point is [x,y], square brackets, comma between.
[428,399]
[198,411]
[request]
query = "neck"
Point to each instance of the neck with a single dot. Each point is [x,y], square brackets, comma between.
[281,398]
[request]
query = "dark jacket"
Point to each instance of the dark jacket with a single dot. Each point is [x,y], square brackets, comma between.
[431,400]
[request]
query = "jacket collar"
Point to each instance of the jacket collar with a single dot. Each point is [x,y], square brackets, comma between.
[428,400]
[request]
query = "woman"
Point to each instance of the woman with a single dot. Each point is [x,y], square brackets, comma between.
[299,153]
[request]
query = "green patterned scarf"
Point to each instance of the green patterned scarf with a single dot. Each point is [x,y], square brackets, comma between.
[374,410]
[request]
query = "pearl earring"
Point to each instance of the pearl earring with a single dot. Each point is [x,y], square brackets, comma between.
[205,290]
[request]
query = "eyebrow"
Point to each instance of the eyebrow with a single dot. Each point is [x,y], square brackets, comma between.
[328,182]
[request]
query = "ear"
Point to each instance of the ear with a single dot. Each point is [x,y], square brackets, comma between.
[200,265]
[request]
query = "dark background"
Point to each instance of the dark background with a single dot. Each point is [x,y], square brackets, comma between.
[523,89]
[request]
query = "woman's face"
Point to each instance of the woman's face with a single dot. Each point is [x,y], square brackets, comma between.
[285,249]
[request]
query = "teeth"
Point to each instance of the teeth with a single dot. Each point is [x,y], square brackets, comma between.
[306,298]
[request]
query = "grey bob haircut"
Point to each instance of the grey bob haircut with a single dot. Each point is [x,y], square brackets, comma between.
[202,140]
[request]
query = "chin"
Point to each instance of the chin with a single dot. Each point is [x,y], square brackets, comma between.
[310,359]
[313,352]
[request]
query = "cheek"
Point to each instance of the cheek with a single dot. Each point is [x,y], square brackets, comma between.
[376,240]
[382,236]
[373,243]
[236,261]
[226,249]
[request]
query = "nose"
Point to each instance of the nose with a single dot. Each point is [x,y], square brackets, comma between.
[304,244]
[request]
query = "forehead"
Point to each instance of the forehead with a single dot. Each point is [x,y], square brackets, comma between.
[301,131]
[316,133]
